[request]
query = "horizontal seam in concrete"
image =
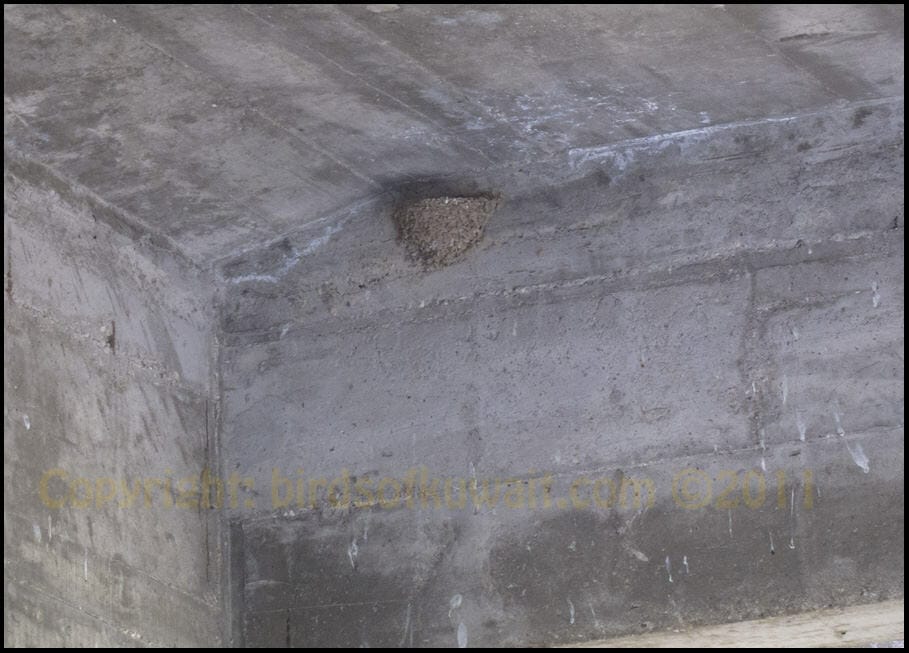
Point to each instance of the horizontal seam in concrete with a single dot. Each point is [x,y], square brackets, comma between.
[137,367]
[196,598]
[131,634]
[820,441]
[586,154]
[736,265]
[330,605]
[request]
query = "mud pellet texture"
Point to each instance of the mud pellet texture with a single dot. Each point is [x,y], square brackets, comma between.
[438,231]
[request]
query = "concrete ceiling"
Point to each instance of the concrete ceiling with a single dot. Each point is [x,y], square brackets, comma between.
[218,129]
[695,262]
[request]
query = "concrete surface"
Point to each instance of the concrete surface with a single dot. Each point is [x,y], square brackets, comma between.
[862,626]
[107,375]
[696,264]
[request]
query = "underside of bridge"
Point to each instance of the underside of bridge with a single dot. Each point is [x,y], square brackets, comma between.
[449,325]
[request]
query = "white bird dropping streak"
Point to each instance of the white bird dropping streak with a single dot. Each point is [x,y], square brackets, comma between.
[454,604]
[352,552]
[462,635]
[858,456]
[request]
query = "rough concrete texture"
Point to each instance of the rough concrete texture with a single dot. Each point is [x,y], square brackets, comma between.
[107,375]
[699,266]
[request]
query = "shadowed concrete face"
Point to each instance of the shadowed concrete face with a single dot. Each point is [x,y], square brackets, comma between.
[391,271]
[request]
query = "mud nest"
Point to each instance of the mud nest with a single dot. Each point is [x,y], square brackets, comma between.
[439,230]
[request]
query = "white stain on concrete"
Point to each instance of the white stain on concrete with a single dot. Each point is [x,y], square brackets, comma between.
[668,566]
[593,613]
[800,424]
[858,456]
[454,604]
[290,261]
[685,565]
[275,276]
[462,635]
[581,155]
[570,612]
[352,552]
[245,278]
[27,422]
[316,243]
[640,555]
[407,628]
[473,17]
[875,295]
[840,431]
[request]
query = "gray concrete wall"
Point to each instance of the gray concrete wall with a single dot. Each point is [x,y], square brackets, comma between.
[697,265]
[728,300]
[108,375]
